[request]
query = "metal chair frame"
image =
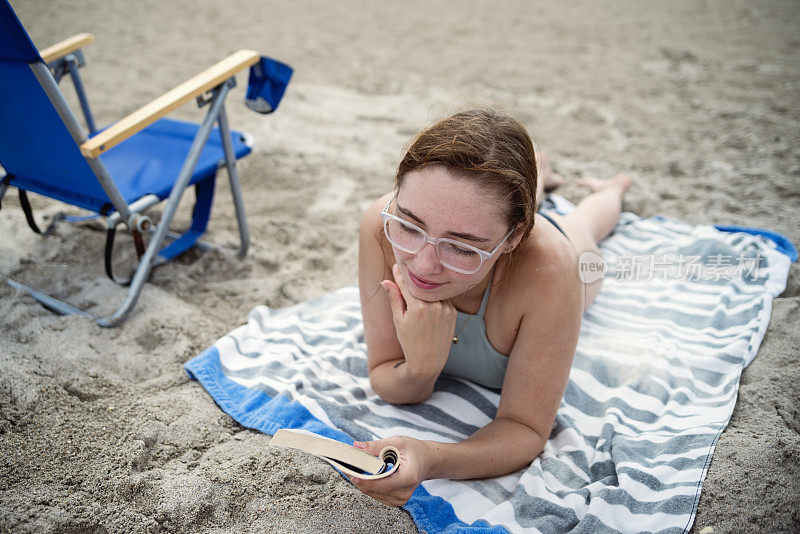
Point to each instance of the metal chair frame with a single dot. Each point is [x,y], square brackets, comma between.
[131,215]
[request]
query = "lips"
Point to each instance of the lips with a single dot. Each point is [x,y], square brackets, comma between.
[423,284]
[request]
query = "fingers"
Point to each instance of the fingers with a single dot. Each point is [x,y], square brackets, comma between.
[401,284]
[395,489]
[539,156]
[375,447]
[389,490]
[396,301]
[385,498]
[372,447]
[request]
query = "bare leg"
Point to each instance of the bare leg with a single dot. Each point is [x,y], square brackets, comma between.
[594,218]
[599,212]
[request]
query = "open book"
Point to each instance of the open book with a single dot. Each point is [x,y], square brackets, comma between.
[345,458]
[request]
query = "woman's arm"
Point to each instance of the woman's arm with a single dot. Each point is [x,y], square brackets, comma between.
[501,447]
[383,349]
[407,340]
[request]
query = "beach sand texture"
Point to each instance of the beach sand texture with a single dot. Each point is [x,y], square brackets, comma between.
[101,429]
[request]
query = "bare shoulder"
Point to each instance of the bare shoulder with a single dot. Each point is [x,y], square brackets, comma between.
[545,263]
[373,260]
[374,266]
[539,286]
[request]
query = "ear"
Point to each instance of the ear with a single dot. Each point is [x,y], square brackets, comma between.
[514,239]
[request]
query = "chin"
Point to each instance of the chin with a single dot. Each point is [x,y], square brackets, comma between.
[428,296]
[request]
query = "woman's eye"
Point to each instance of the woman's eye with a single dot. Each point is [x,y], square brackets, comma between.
[408,229]
[464,251]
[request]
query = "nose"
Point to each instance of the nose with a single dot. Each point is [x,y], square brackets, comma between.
[426,262]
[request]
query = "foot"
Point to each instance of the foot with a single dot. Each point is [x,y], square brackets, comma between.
[621,181]
[550,179]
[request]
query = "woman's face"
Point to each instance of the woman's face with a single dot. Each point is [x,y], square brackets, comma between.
[448,207]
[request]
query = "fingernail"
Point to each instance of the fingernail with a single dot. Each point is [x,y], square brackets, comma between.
[360,444]
[383,285]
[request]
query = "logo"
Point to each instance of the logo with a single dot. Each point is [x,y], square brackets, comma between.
[591,267]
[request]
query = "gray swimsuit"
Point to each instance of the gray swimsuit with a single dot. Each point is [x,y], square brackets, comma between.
[473,357]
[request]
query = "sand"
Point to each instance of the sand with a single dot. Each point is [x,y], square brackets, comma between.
[101,430]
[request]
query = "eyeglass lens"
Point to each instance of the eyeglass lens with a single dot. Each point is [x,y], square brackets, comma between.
[412,240]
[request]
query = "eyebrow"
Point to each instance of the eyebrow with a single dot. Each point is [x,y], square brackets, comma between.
[462,235]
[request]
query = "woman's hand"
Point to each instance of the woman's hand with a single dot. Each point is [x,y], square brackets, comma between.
[424,329]
[396,489]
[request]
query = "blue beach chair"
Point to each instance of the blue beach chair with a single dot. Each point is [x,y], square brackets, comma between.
[122,170]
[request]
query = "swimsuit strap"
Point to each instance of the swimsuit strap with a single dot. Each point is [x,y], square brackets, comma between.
[485,300]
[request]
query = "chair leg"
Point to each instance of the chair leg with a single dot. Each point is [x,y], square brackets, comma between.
[51,303]
[236,188]
[146,263]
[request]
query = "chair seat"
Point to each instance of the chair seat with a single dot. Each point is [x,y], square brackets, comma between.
[150,161]
[40,152]
[146,163]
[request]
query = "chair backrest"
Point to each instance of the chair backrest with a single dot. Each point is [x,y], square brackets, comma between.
[37,149]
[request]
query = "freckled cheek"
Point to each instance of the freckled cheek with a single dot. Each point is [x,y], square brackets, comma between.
[402,258]
[464,279]
[462,282]
[422,258]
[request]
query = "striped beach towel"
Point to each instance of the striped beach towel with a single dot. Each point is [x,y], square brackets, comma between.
[655,377]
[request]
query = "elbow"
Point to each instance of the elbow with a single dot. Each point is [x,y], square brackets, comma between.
[395,395]
[394,386]
[534,448]
[533,439]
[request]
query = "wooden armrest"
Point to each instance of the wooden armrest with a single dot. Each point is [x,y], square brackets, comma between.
[169,101]
[59,50]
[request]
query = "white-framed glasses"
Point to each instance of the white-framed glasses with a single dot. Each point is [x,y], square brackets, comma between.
[455,255]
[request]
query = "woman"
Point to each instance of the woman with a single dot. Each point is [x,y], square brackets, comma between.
[458,245]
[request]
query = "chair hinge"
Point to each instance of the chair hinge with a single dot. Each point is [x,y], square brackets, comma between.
[207,97]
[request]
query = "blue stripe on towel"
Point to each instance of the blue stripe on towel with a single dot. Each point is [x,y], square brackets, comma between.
[252,408]
[783,243]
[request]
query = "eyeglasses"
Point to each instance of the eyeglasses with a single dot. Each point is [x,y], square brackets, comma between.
[455,255]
